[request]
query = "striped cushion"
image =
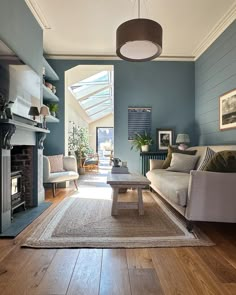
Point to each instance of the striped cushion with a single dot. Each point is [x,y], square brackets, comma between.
[207,157]
[56,163]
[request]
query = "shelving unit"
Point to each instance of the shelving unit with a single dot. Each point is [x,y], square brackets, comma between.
[48,95]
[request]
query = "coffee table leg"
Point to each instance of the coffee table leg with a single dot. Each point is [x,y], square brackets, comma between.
[114,210]
[140,201]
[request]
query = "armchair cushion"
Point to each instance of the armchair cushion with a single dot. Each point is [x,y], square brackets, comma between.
[62,176]
[56,163]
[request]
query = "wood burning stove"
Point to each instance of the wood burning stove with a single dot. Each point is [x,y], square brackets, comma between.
[17,190]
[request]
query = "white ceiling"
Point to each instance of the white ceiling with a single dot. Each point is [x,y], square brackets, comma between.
[88,27]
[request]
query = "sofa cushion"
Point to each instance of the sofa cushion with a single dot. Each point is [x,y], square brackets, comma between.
[63,176]
[224,161]
[173,185]
[171,150]
[208,155]
[182,163]
[56,163]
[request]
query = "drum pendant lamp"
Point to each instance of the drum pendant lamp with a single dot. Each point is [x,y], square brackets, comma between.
[139,39]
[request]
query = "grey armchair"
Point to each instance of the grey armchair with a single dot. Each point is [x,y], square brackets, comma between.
[70,173]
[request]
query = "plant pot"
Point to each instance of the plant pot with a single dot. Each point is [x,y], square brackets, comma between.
[81,171]
[53,114]
[145,148]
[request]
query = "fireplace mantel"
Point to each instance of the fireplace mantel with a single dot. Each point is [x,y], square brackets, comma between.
[24,126]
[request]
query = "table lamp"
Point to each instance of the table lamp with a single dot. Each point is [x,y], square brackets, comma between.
[182,140]
[34,112]
[44,111]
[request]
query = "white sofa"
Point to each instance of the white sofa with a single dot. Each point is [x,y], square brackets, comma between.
[200,195]
[70,173]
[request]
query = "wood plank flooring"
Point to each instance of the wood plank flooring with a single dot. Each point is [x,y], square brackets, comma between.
[189,270]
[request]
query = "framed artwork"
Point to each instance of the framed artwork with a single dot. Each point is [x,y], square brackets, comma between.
[139,121]
[227,110]
[164,138]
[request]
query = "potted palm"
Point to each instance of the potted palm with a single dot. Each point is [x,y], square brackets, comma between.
[78,144]
[142,142]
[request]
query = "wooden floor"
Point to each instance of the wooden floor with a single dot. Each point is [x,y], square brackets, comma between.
[190,271]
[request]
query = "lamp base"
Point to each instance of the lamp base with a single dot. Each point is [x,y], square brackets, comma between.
[182,147]
[44,122]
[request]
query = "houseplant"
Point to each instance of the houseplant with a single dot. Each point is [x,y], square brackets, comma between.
[141,142]
[78,144]
[53,107]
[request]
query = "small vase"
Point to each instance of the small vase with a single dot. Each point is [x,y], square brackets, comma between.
[145,148]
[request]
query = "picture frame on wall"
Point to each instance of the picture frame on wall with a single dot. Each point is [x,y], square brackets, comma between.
[227,110]
[164,138]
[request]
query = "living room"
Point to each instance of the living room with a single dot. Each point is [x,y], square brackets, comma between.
[182,87]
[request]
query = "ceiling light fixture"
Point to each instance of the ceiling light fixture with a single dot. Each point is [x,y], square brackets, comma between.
[139,39]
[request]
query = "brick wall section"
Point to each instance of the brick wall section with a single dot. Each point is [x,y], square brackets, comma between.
[22,160]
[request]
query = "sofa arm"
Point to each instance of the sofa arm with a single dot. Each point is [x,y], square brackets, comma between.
[46,169]
[70,163]
[211,196]
[156,164]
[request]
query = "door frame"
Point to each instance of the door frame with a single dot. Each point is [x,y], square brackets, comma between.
[97,135]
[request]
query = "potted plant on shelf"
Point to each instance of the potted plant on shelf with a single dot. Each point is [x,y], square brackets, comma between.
[142,142]
[78,143]
[53,107]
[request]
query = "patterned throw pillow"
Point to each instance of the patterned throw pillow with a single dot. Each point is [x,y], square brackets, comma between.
[171,150]
[56,163]
[209,153]
[224,161]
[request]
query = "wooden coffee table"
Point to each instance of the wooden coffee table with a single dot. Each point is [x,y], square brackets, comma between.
[117,181]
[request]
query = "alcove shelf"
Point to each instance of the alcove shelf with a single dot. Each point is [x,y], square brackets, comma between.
[50,73]
[48,95]
[51,119]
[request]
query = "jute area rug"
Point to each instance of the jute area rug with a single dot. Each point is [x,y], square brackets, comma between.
[84,220]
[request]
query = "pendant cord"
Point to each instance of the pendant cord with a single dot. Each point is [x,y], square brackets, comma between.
[138,8]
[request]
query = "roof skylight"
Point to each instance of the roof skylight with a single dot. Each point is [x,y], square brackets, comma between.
[95,94]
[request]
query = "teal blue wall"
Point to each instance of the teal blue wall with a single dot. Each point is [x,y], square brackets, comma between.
[21,32]
[215,74]
[168,87]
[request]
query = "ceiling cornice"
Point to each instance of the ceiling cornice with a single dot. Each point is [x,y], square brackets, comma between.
[217,30]
[38,14]
[113,57]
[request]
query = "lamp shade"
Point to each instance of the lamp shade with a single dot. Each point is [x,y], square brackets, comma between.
[182,138]
[34,111]
[139,40]
[44,111]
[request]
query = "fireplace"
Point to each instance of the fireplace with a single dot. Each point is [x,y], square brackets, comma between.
[21,150]
[17,191]
[22,159]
